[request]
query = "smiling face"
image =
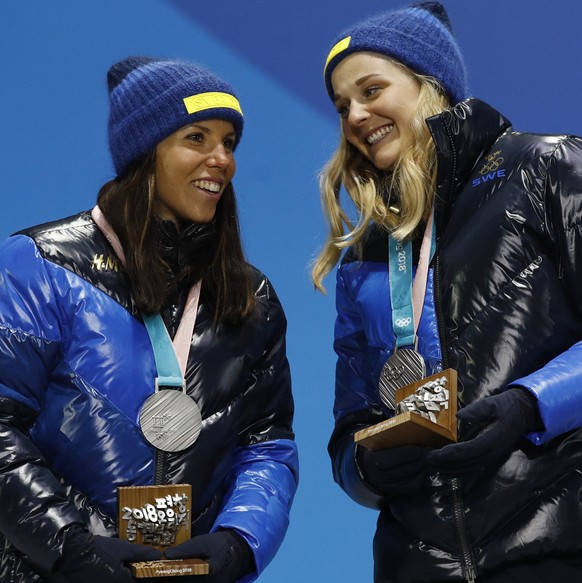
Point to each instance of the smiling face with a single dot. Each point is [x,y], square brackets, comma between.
[194,165]
[376,99]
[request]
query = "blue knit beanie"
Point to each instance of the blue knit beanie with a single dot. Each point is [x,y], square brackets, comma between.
[419,36]
[149,99]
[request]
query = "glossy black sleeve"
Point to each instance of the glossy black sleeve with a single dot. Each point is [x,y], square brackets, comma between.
[35,508]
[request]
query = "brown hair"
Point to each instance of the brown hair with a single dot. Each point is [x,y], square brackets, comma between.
[128,203]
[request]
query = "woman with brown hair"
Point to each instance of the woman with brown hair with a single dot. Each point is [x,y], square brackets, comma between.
[138,347]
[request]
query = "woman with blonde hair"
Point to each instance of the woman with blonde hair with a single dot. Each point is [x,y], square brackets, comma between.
[464,253]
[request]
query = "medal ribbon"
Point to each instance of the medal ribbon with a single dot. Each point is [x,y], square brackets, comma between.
[408,298]
[170,357]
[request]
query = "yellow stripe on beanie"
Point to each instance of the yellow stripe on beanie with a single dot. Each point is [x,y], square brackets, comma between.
[339,47]
[211,100]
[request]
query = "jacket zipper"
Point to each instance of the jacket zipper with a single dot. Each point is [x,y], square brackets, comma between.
[467,561]
[160,467]
[460,526]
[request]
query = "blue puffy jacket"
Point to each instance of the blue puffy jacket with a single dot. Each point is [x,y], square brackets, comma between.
[76,364]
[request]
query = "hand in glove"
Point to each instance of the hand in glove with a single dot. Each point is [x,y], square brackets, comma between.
[508,416]
[98,559]
[228,555]
[393,471]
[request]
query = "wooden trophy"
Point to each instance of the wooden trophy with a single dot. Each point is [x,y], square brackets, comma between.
[425,414]
[159,516]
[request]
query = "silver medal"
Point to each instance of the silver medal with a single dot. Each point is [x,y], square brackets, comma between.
[170,420]
[404,367]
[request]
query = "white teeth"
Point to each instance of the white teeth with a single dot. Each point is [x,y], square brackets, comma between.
[379,134]
[207,185]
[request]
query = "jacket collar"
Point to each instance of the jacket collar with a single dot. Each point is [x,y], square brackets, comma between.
[462,135]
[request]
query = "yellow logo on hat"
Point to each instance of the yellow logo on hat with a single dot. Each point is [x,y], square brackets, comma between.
[203,101]
[340,46]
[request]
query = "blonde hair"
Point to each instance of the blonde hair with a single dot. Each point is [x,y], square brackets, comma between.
[398,200]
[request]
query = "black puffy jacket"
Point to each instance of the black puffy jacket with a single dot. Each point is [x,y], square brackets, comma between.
[503,306]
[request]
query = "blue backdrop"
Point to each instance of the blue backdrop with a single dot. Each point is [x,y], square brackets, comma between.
[523,57]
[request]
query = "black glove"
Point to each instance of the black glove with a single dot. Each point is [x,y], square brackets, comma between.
[98,559]
[507,417]
[227,553]
[393,471]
